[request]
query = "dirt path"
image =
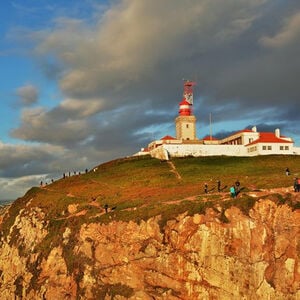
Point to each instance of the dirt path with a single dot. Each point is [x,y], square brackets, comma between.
[226,195]
[223,196]
[173,169]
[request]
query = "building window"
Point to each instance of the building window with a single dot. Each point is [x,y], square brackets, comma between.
[264,147]
[269,147]
[286,147]
[281,147]
[187,125]
[250,140]
[252,149]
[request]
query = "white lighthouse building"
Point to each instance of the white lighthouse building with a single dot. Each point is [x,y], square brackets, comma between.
[246,142]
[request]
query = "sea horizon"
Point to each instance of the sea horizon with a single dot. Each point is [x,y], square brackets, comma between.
[6,202]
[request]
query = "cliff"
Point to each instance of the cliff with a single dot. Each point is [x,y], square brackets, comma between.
[244,248]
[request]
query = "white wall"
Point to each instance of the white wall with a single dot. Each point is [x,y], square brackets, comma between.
[197,150]
[180,150]
[275,148]
[296,150]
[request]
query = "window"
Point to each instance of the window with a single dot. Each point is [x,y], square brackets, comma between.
[269,147]
[281,147]
[264,147]
[286,147]
[252,149]
[187,125]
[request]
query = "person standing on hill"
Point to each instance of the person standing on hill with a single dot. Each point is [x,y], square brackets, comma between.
[295,184]
[298,184]
[205,188]
[106,208]
[219,185]
[287,171]
[232,191]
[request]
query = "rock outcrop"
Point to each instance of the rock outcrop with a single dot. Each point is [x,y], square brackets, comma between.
[253,256]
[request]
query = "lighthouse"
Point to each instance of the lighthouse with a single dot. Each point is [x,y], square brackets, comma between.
[185,122]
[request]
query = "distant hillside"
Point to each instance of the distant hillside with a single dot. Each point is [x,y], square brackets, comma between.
[105,221]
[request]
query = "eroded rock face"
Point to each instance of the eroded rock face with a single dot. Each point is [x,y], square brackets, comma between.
[192,257]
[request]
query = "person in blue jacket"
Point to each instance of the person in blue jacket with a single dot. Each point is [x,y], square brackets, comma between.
[232,191]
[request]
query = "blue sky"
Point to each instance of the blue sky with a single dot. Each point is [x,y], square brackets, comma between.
[86,81]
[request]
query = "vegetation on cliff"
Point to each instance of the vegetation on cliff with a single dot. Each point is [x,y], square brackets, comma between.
[137,189]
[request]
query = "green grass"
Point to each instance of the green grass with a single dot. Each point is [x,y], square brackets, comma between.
[258,172]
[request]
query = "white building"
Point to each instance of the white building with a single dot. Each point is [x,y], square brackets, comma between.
[247,142]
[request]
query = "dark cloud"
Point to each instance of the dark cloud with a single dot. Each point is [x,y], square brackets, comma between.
[28,94]
[236,50]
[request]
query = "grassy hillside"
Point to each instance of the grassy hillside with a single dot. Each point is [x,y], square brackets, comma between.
[136,181]
[144,179]
[138,188]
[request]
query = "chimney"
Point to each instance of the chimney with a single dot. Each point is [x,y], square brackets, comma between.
[254,129]
[277,132]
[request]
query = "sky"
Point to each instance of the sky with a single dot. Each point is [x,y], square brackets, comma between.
[83,82]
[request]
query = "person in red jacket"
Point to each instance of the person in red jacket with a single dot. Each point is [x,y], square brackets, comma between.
[298,184]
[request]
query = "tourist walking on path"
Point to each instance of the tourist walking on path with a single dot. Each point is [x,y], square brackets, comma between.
[232,191]
[219,185]
[205,188]
[106,208]
[297,184]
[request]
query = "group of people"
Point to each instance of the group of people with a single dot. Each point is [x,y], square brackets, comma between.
[234,189]
[74,173]
[65,175]
[218,186]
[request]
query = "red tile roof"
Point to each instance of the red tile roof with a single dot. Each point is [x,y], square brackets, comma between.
[268,137]
[209,138]
[167,137]
[243,130]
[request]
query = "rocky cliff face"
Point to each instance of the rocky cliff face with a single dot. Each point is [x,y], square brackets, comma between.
[253,256]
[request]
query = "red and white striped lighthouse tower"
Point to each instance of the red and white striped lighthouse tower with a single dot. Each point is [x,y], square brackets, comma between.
[186,121]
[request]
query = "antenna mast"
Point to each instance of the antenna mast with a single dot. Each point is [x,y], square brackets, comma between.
[188,90]
[210,129]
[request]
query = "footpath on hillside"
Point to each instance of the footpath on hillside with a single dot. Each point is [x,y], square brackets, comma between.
[223,196]
[173,169]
